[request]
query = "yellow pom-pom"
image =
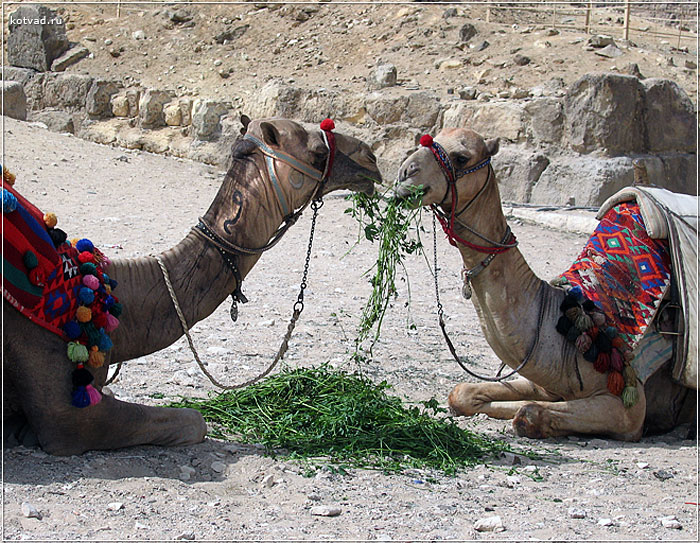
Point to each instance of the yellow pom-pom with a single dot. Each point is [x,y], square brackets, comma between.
[96,359]
[108,290]
[74,241]
[83,314]
[8,177]
[50,220]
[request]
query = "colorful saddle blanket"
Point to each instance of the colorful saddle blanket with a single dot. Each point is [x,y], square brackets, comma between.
[623,271]
[49,297]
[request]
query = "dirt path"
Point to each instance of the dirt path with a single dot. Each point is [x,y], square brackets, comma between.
[145,203]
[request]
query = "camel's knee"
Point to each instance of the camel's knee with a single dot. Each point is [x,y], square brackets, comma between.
[465,400]
[533,421]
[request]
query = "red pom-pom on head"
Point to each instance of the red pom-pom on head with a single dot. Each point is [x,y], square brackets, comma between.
[86,257]
[426,140]
[327,125]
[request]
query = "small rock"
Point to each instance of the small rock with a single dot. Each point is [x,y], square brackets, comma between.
[632,69]
[325,511]
[606,522]
[385,75]
[597,443]
[312,496]
[115,506]
[489,524]
[552,32]
[449,64]
[481,46]
[467,32]
[691,65]
[69,58]
[663,475]
[449,12]
[600,41]
[670,522]
[512,480]
[188,469]
[218,467]
[108,42]
[576,513]
[642,465]
[267,323]
[116,53]
[185,536]
[268,481]
[610,51]
[670,61]
[218,62]
[138,35]
[469,93]
[29,511]
[512,459]
[521,60]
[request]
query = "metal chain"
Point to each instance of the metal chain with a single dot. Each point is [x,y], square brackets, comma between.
[298,308]
[451,346]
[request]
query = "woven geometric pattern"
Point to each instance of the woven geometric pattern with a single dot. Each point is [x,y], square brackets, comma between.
[624,271]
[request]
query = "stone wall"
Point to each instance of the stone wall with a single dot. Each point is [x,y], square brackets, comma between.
[558,145]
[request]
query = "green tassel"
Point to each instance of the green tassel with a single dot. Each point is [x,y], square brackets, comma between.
[630,376]
[92,333]
[629,396]
[583,322]
[77,352]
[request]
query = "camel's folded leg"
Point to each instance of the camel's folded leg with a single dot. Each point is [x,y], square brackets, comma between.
[498,400]
[603,414]
[43,388]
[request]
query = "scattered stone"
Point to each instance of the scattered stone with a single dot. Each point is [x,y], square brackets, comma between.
[606,522]
[552,32]
[15,101]
[576,513]
[115,506]
[670,522]
[37,37]
[231,34]
[469,93]
[481,46]
[325,511]
[521,60]
[138,35]
[663,475]
[632,69]
[268,481]
[512,481]
[691,65]
[29,511]
[218,467]
[449,64]
[489,524]
[384,75]
[173,114]
[116,53]
[600,41]
[449,12]
[642,465]
[610,51]
[108,42]
[69,58]
[151,106]
[98,100]
[186,536]
[467,32]
[179,16]
[218,62]
[55,120]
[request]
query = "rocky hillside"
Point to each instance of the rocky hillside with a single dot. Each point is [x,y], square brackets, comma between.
[174,78]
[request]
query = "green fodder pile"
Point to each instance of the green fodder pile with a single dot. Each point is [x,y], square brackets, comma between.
[331,415]
[389,222]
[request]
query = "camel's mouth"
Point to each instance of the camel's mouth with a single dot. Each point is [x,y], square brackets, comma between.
[409,191]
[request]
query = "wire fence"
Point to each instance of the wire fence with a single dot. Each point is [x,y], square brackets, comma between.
[677,24]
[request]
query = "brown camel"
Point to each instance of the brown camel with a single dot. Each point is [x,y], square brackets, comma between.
[247,211]
[549,399]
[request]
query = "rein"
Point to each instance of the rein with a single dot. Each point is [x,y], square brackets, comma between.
[229,251]
[492,250]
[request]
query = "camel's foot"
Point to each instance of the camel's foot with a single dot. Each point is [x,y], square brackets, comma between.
[17,431]
[533,421]
[463,400]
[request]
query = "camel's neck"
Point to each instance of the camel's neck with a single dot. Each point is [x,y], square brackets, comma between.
[506,294]
[199,276]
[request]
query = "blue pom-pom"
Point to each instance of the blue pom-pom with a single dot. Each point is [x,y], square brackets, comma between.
[72,329]
[109,302]
[102,289]
[105,343]
[85,245]
[80,397]
[113,283]
[9,202]
[105,278]
[611,332]
[576,292]
[86,295]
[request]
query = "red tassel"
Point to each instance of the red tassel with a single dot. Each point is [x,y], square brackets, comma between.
[616,360]
[426,140]
[616,383]
[602,363]
[618,342]
[327,124]
[86,257]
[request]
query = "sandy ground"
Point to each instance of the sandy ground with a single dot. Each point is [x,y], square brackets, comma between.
[135,203]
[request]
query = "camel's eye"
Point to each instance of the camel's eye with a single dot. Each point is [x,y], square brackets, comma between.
[461,160]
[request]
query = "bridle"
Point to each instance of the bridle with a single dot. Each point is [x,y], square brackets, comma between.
[229,251]
[448,222]
[508,242]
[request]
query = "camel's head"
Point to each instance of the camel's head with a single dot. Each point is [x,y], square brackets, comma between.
[465,149]
[354,166]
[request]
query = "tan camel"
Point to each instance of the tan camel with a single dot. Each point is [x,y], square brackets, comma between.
[247,211]
[549,399]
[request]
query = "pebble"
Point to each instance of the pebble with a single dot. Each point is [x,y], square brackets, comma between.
[670,522]
[325,511]
[512,480]
[489,524]
[138,35]
[576,513]
[29,511]
[268,481]
[642,465]
[218,467]
[185,536]
[108,42]
[268,323]
[663,474]
[115,506]
[606,522]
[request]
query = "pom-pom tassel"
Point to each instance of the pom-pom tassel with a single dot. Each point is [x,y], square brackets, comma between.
[96,359]
[591,355]
[630,376]
[616,361]
[573,313]
[583,343]
[93,394]
[629,396]
[572,334]
[80,397]
[563,325]
[598,318]
[583,322]
[112,323]
[616,383]
[602,363]
[77,352]
[426,140]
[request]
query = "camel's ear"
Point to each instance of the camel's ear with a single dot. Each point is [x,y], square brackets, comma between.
[245,121]
[270,134]
[492,146]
